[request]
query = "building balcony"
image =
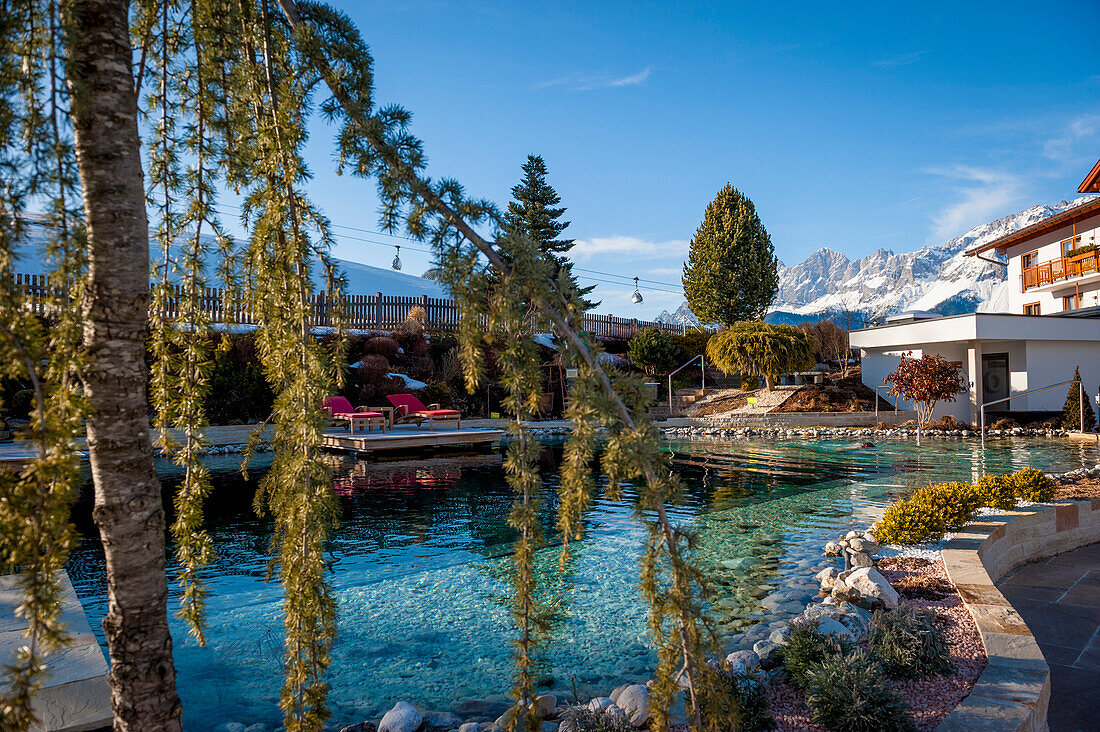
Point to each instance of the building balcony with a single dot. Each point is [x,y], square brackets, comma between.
[1061,270]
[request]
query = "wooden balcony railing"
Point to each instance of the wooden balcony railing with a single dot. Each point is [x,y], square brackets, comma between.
[1063,268]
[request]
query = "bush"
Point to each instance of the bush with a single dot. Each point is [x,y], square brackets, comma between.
[239,391]
[850,694]
[691,342]
[436,392]
[582,719]
[1031,485]
[764,349]
[653,350]
[909,643]
[997,491]
[807,647]
[928,514]
[751,693]
[750,383]
[383,346]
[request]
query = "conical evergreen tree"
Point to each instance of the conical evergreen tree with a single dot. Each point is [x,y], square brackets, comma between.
[535,212]
[731,272]
[1071,412]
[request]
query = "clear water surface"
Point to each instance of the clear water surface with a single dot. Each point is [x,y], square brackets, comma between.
[420,567]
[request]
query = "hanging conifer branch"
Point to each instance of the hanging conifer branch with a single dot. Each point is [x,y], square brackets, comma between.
[380,145]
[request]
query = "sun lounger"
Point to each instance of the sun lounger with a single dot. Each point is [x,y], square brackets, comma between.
[407,408]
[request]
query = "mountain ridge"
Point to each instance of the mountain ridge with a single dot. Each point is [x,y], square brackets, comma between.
[935,277]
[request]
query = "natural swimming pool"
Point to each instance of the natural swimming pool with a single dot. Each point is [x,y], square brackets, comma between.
[420,567]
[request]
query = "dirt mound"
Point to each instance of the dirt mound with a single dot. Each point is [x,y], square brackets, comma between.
[839,395]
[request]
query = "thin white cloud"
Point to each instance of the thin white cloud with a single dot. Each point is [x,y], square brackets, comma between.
[983,193]
[632,245]
[903,59]
[604,81]
[1065,145]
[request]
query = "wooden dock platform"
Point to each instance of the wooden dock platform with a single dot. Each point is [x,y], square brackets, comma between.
[408,437]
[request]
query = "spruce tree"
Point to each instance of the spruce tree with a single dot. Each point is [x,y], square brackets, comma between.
[534,211]
[731,273]
[1071,412]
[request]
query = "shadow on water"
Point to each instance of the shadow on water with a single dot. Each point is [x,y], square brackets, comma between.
[420,566]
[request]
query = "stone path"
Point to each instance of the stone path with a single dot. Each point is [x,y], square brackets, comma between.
[1059,599]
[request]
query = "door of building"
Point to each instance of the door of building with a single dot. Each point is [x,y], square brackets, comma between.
[995,379]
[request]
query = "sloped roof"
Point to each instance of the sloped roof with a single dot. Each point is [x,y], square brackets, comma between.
[1091,183]
[1086,210]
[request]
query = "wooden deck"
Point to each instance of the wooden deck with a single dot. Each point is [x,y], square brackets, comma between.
[408,437]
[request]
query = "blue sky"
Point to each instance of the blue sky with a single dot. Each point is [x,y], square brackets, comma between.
[884,125]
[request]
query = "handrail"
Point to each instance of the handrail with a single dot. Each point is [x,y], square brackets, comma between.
[702,370]
[1080,400]
[1060,268]
[876,401]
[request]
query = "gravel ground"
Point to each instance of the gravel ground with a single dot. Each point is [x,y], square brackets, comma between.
[922,583]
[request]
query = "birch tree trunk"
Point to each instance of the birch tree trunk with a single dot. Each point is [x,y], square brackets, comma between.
[128,508]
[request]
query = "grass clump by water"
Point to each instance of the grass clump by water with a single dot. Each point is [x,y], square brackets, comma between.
[908,643]
[850,694]
[1032,485]
[582,719]
[807,647]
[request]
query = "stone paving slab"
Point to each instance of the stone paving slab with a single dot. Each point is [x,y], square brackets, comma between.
[1059,598]
[75,697]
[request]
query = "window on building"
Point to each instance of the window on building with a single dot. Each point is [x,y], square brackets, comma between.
[1069,302]
[1031,308]
[1069,244]
[1030,260]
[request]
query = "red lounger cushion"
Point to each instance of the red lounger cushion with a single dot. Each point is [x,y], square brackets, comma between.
[439,412]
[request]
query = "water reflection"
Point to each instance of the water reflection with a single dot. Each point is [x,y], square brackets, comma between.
[420,566]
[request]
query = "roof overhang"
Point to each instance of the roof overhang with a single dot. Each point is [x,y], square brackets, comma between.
[1091,184]
[1086,210]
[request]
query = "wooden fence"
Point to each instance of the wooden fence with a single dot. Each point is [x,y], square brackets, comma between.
[364,312]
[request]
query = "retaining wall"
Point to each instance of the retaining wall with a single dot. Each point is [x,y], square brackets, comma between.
[1014,690]
[797,419]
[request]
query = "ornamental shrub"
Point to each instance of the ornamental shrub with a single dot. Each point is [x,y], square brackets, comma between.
[750,383]
[1032,485]
[653,350]
[582,719]
[928,514]
[850,694]
[909,643]
[997,491]
[807,647]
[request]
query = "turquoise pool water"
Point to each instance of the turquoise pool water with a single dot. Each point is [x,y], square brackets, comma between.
[420,565]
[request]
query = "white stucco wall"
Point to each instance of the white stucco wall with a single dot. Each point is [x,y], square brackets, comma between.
[1041,351]
[1048,247]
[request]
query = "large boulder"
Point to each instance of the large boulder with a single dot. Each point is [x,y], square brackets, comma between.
[402,718]
[635,702]
[744,662]
[600,703]
[872,587]
[827,577]
[830,626]
[546,703]
[469,727]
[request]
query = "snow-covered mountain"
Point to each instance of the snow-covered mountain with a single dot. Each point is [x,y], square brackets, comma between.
[935,277]
[362,279]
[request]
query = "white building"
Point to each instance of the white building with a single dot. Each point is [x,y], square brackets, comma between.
[1052,327]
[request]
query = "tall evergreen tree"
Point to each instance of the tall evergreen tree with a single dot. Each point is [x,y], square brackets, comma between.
[731,273]
[534,211]
[1071,412]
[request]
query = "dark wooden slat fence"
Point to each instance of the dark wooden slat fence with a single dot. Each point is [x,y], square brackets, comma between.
[364,312]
